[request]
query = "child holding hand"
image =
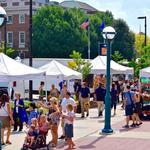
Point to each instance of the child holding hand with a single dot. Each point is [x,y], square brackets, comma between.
[69,120]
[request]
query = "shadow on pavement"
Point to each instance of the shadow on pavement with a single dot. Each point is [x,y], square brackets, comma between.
[91,145]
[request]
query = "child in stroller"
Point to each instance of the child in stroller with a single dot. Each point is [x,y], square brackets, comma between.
[35,141]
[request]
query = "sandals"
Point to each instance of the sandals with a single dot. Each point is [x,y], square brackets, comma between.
[3,143]
[8,142]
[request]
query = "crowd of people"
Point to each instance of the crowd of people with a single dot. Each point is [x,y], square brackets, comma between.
[61,108]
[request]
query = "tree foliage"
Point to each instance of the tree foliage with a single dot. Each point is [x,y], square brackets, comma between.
[139,43]
[56,32]
[117,56]
[124,40]
[79,64]
[142,62]
[9,51]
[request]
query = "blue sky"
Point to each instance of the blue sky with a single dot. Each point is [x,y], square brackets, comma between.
[128,10]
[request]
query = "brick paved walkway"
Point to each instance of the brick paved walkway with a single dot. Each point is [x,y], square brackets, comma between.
[123,139]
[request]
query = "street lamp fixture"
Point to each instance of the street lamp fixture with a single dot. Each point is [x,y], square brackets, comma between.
[108,35]
[3,22]
[144,17]
[2,16]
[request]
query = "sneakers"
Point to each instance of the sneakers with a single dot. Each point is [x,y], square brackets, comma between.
[62,137]
[87,114]
[133,125]
[126,126]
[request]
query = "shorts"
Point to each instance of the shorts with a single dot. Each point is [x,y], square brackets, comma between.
[137,107]
[68,130]
[129,110]
[5,121]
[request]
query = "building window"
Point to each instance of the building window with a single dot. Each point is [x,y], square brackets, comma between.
[10,39]
[9,19]
[22,19]
[21,39]
[28,3]
[4,4]
[15,4]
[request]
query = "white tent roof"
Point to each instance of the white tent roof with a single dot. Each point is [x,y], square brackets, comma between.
[55,69]
[99,67]
[11,70]
[145,72]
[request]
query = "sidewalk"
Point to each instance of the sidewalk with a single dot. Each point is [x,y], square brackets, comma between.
[87,135]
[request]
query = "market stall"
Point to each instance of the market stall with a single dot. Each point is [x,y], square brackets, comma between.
[145,86]
[11,70]
[55,70]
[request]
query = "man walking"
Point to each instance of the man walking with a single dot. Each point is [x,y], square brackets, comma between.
[128,104]
[100,97]
[85,98]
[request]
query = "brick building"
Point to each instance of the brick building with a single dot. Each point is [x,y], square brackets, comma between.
[18,23]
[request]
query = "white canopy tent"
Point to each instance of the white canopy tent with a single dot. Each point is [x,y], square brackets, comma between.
[99,67]
[145,72]
[11,70]
[55,69]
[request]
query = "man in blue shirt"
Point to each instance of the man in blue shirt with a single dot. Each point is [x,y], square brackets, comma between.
[100,98]
[85,98]
[128,104]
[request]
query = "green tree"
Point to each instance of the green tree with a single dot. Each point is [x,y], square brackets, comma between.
[9,51]
[143,61]
[79,64]
[117,56]
[139,43]
[124,40]
[56,32]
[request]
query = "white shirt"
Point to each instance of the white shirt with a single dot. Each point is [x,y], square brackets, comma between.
[3,110]
[69,114]
[65,102]
[125,87]
[17,108]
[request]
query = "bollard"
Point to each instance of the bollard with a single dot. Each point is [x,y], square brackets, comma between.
[0,136]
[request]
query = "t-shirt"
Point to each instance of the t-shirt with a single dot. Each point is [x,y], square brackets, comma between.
[114,93]
[17,107]
[85,92]
[129,97]
[100,94]
[65,102]
[69,114]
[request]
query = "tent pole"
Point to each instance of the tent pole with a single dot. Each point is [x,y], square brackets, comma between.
[46,89]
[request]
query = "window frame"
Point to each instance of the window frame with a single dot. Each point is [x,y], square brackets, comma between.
[20,18]
[22,45]
[10,44]
[12,19]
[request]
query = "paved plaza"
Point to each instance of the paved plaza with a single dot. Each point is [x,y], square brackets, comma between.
[88,137]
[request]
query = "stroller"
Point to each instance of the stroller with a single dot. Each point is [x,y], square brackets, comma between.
[39,143]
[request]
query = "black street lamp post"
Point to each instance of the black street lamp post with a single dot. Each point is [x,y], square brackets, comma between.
[145,40]
[30,49]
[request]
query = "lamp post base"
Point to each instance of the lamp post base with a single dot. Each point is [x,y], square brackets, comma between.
[106,131]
